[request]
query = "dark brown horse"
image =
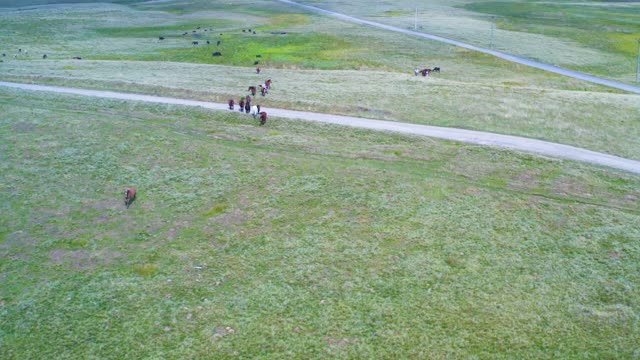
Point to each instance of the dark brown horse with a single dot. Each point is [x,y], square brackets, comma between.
[425,72]
[263,118]
[129,196]
[231,102]
[252,89]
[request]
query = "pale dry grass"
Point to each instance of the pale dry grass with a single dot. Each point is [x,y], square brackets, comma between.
[604,122]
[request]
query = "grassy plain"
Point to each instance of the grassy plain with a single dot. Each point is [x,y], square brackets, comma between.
[474,91]
[295,239]
[300,239]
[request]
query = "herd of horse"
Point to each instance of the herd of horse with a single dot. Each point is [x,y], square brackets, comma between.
[244,105]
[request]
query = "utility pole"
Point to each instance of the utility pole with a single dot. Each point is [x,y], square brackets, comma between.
[638,64]
[493,24]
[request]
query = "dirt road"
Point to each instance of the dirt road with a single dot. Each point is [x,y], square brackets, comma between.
[467,136]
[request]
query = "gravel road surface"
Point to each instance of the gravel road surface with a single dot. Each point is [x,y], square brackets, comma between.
[461,135]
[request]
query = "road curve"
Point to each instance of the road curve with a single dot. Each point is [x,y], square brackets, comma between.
[512,58]
[461,135]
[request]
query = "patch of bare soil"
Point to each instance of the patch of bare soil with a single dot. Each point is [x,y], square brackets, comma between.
[23,127]
[82,259]
[569,187]
[340,343]
[527,180]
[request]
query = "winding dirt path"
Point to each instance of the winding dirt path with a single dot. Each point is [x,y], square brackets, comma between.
[461,135]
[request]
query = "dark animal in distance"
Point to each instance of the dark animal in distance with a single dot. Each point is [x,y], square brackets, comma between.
[217,53]
[218,43]
[252,89]
[436,69]
[160,38]
[129,196]
[263,118]
[425,72]
[77,58]
[258,55]
[256,62]
[258,70]
[194,42]
[44,56]
[208,42]
[231,104]
[267,84]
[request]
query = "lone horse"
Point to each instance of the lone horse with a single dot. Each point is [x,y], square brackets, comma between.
[129,196]
[252,89]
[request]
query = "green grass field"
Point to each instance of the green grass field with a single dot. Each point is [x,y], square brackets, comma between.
[300,240]
[304,240]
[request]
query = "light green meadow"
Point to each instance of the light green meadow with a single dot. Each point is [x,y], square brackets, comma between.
[306,240]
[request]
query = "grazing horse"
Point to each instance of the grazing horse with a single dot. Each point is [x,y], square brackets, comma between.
[77,58]
[248,98]
[258,70]
[263,90]
[436,69]
[194,43]
[256,62]
[263,118]
[247,105]
[231,103]
[425,72]
[268,84]
[129,196]
[160,38]
[241,105]
[252,89]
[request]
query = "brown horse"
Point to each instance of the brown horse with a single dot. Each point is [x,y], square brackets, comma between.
[425,72]
[268,84]
[252,89]
[263,118]
[231,103]
[129,196]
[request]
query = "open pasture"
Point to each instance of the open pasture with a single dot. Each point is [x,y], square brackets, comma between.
[474,91]
[296,239]
[300,239]
[597,37]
